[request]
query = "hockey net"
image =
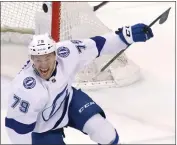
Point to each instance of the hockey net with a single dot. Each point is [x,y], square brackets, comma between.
[64,20]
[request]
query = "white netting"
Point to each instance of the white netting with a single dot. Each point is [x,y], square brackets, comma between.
[77,21]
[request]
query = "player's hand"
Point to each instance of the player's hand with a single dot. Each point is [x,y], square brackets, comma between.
[135,33]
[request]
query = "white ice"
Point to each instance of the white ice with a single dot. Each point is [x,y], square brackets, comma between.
[143,112]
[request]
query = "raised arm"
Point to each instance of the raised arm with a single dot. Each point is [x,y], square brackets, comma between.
[82,52]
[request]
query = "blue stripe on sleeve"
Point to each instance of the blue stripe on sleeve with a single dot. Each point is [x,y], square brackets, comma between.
[100,41]
[18,127]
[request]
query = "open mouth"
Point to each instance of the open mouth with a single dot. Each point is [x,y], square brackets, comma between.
[44,71]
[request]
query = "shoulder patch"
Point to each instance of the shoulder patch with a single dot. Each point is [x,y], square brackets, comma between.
[29,82]
[63,52]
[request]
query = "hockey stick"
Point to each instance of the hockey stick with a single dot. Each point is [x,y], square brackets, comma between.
[162,18]
[95,8]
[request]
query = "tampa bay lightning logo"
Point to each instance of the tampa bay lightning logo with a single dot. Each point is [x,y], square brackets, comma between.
[29,82]
[63,51]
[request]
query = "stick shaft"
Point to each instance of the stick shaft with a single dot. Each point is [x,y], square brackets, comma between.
[118,54]
[95,8]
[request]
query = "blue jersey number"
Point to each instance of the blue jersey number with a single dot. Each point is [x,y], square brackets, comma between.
[79,45]
[24,105]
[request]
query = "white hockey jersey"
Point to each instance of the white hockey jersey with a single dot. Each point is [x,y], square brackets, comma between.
[37,105]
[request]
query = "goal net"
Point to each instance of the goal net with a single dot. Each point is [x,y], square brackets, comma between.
[63,20]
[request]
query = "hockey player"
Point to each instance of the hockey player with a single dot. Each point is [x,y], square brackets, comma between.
[43,101]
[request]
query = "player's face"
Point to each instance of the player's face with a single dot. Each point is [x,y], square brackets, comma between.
[44,64]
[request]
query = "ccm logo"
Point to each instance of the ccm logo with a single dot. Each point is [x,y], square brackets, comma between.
[86,106]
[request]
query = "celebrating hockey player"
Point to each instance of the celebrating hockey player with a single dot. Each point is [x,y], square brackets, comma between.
[42,100]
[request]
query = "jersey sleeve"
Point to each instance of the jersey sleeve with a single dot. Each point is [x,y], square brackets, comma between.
[109,43]
[23,109]
[97,46]
[76,54]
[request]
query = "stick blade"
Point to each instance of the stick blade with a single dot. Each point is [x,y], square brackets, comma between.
[164,16]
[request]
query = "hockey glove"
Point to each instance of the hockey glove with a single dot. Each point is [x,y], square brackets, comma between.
[135,33]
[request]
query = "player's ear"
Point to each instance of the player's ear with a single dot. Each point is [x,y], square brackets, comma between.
[54,53]
[31,57]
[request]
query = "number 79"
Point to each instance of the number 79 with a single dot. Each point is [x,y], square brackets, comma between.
[24,105]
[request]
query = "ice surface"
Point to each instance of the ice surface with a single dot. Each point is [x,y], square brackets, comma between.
[143,112]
